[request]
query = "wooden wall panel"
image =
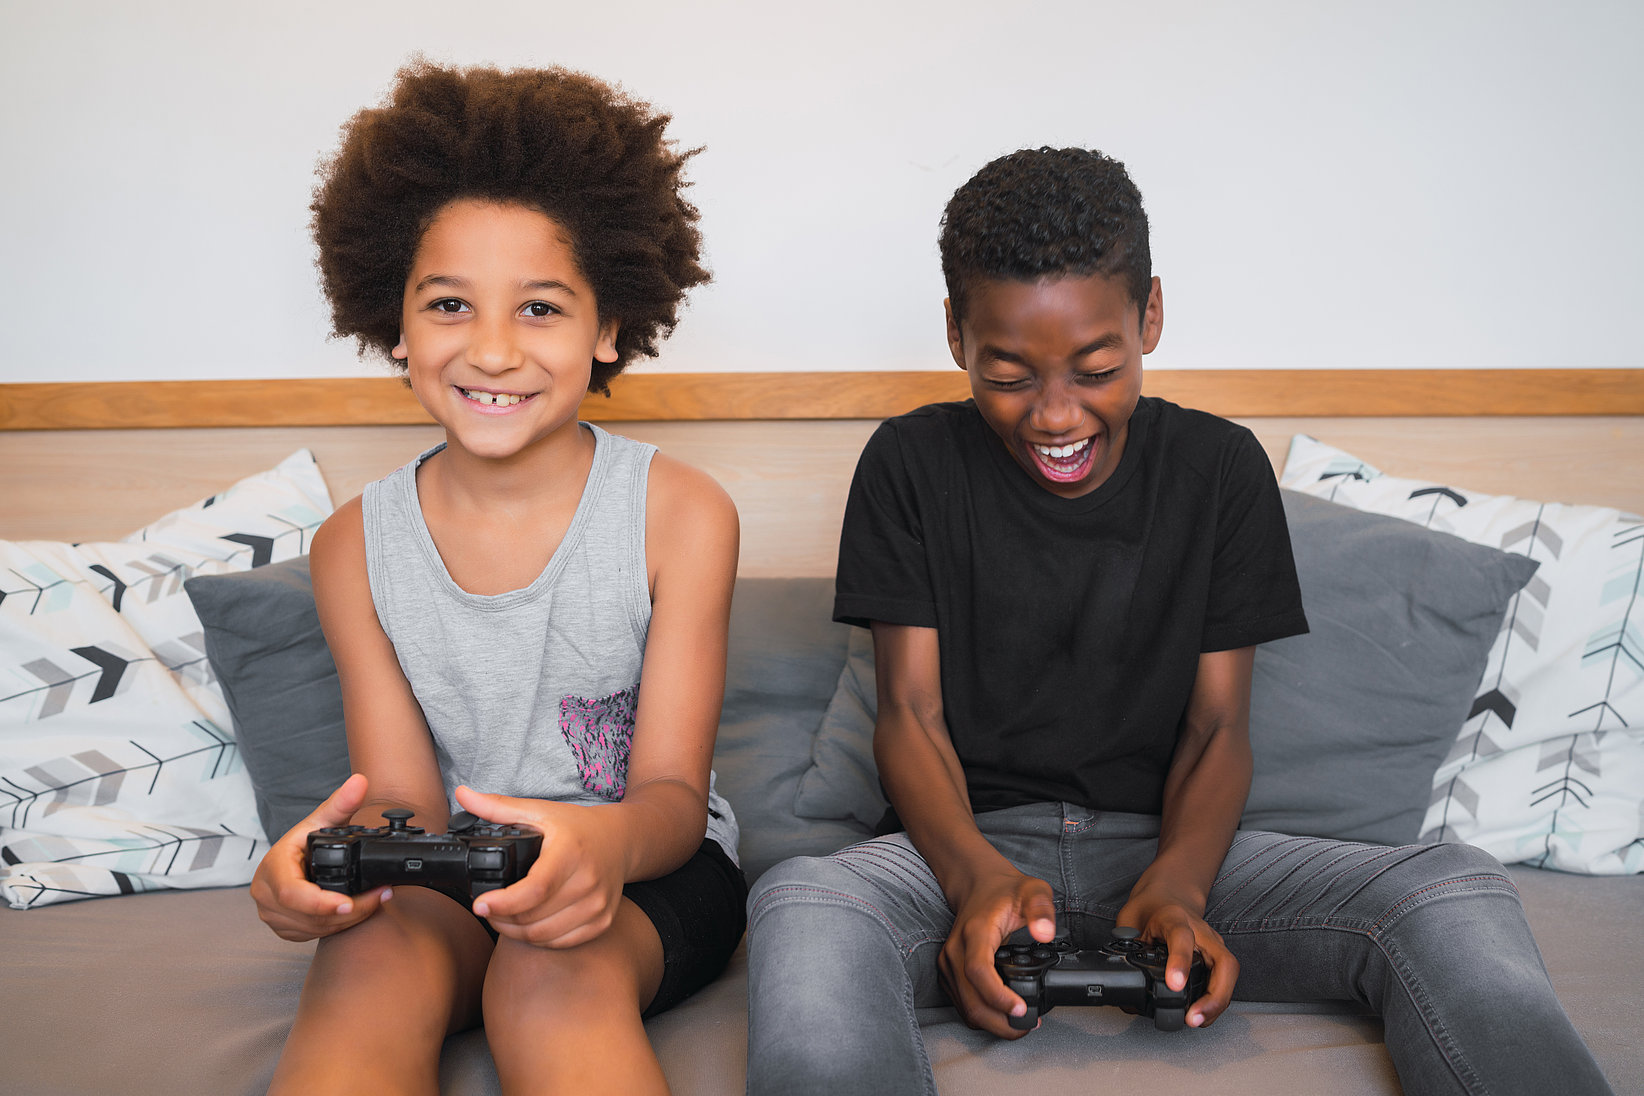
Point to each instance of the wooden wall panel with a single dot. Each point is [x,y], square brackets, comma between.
[660,397]
[788,478]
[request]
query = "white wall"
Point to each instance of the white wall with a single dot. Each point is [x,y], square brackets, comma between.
[1435,183]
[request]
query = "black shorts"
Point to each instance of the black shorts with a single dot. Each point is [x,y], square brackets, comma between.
[699,911]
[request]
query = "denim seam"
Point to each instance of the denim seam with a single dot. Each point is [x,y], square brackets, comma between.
[894,866]
[1411,852]
[1233,872]
[1469,884]
[777,895]
[1275,864]
[1072,895]
[1376,932]
[1436,1030]
[1321,861]
[1396,961]
[910,1015]
[1373,867]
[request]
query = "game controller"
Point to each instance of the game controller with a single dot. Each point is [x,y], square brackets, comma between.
[1125,971]
[473,858]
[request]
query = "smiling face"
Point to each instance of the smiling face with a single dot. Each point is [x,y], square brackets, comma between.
[499,329]
[1055,367]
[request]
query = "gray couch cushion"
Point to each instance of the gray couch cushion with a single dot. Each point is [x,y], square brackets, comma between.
[264,642]
[843,781]
[784,662]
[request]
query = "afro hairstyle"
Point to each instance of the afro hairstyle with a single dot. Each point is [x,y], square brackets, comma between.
[556,141]
[1046,213]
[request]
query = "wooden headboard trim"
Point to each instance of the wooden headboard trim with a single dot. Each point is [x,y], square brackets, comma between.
[660,397]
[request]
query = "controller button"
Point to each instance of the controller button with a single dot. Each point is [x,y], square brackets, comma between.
[486,859]
[1124,942]
[1170,1019]
[330,857]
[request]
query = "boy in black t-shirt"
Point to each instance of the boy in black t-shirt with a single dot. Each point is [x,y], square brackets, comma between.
[1066,582]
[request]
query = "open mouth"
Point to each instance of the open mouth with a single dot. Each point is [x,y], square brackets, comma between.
[1064,463]
[494,399]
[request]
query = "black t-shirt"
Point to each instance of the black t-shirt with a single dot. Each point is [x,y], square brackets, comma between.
[1070,629]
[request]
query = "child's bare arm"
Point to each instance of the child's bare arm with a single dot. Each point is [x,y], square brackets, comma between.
[1204,796]
[926,785]
[388,738]
[692,541]
[572,893]
[388,741]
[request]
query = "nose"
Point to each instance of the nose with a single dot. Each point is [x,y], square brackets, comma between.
[1056,411]
[492,346]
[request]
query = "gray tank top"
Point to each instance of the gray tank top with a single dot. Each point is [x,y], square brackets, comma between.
[530,693]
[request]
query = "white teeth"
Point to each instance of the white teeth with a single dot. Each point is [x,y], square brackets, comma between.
[1060,452]
[497,399]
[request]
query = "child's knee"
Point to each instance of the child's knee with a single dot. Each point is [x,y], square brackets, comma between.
[1451,891]
[807,881]
[878,893]
[1448,871]
[562,985]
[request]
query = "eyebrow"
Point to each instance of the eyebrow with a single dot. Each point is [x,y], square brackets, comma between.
[453,281]
[990,352]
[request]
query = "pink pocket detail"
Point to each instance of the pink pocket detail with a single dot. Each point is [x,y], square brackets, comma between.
[600,734]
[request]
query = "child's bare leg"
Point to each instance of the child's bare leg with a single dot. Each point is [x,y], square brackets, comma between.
[567,1020]
[381,997]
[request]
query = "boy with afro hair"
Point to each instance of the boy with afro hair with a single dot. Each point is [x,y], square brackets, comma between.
[529,619]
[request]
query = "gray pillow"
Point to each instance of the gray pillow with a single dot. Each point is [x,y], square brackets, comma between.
[263,640]
[1347,723]
[783,664]
[842,781]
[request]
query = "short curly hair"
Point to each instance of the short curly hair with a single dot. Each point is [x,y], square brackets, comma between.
[560,142]
[1046,212]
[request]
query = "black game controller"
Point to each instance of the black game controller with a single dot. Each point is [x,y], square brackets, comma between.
[1124,972]
[474,857]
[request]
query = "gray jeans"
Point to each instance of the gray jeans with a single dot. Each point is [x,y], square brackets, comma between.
[843,948]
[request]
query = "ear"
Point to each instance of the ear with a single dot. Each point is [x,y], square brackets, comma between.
[401,351]
[605,346]
[1153,317]
[956,345]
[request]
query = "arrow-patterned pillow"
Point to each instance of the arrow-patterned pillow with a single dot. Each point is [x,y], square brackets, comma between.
[1549,766]
[118,771]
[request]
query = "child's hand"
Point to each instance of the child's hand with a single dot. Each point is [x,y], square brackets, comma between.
[991,909]
[1159,917]
[287,902]
[571,894]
